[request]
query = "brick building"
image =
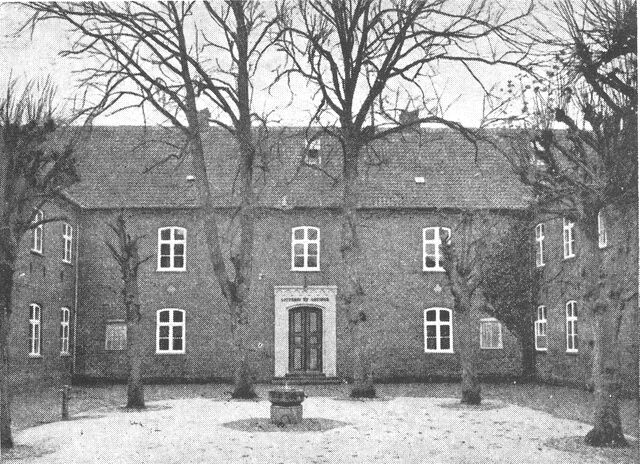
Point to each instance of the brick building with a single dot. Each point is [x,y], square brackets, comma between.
[413,185]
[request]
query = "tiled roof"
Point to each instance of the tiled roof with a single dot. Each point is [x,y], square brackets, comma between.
[112,161]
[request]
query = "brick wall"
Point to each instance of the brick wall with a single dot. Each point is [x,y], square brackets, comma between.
[47,281]
[397,293]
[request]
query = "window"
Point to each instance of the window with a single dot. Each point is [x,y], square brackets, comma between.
[490,334]
[170,335]
[431,252]
[602,230]
[312,155]
[305,249]
[540,245]
[64,331]
[115,338]
[172,243]
[437,331]
[67,241]
[541,328]
[568,238]
[35,316]
[38,233]
[572,327]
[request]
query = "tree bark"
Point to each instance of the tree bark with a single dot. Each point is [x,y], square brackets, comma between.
[135,388]
[467,348]
[528,353]
[6,288]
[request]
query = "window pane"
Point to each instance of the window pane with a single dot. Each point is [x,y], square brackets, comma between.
[164,331]
[313,322]
[297,358]
[429,234]
[431,315]
[165,262]
[178,249]
[429,262]
[298,249]
[313,358]
[431,343]
[445,330]
[178,234]
[178,262]
[165,249]
[312,262]
[444,343]
[298,262]
[164,344]
[431,331]
[164,316]
[178,316]
[177,344]
[165,234]
[177,331]
[298,234]
[297,322]
[313,249]
[444,315]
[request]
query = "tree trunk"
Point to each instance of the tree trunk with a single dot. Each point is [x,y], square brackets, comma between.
[528,353]
[242,379]
[467,347]
[135,388]
[6,288]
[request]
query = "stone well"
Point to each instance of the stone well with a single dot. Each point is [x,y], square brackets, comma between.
[286,406]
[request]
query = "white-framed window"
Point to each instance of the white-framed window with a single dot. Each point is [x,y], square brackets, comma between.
[431,252]
[67,242]
[37,234]
[438,330]
[170,335]
[115,336]
[490,334]
[172,246]
[602,229]
[64,331]
[540,326]
[35,333]
[568,238]
[305,249]
[312,154]
[572,326]
[540,245]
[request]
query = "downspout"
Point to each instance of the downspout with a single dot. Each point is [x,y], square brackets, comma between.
[75,305]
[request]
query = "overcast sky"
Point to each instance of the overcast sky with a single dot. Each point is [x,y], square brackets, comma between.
[38,56]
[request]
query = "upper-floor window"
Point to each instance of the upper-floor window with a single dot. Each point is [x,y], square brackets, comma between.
[172,244]
[170,335]
[67,242]
[568,238]
[64,331]
[438,331]
[540,245]
[572,327]
[305,249]
[37,236]
[540,326]
[35,335]
[431,251]
[490,334]
[602,229]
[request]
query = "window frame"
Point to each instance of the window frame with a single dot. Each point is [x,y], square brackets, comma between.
[568,238]
[171,324]
[539,231]
[35,330]
[602,230]
[571,326]
[114,323]
[305,241]
[540,327]
[67,243]
[37,234]
[495,322]
[64,331]
[438,324]
[172,242]
[436,242]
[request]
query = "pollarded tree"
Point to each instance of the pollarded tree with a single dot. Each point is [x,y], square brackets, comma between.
[368,62]
[31,174]
[173,58]
[588,172]
[126,254]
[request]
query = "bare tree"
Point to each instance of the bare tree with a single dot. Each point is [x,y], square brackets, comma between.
[370,63]
[173,58]
[589,171]
[127,256]
[31,174]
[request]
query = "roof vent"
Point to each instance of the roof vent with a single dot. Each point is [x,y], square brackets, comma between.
[191,178]
[419,180]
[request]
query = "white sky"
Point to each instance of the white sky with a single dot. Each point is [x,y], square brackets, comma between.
[32,57]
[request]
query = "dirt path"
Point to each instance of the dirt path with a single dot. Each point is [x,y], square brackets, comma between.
[407,430]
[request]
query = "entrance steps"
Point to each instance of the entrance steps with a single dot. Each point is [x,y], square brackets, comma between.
[306,379]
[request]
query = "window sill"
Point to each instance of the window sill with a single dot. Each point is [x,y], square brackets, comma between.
[68,263]
[305,270]
[572,352]
[35,356]
[170,353]
[65,355]
[492,349]
[435,269]
[170,270]
[36,252]
[439,352]
[541,350]
[569,257]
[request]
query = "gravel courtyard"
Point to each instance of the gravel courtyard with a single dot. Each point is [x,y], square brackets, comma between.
[402,429]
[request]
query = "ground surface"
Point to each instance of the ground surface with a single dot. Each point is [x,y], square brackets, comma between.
[411,423]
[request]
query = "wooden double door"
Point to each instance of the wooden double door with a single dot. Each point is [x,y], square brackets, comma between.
[305,340]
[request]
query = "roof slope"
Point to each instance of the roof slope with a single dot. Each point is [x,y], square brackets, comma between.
[112,163]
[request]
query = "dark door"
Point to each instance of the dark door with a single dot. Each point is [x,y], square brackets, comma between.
[305,340]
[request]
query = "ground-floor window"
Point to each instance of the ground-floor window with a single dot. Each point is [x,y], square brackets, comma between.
[490,334]
[115,337]
[541,328]
[437,331]
[35,334]
[572,327]
[64,330]
[170,333]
